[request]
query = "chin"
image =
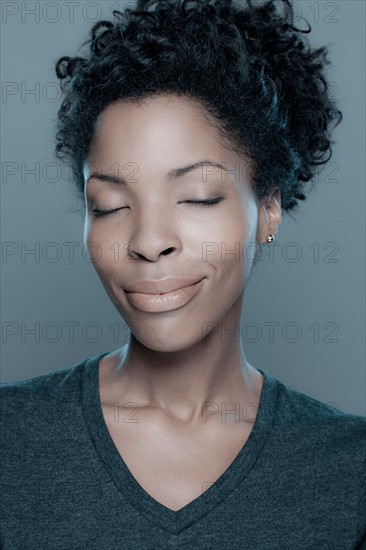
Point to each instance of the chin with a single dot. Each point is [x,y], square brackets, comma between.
[169,341]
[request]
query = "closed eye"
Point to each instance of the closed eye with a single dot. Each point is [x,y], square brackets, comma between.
[97,212]
[207,202]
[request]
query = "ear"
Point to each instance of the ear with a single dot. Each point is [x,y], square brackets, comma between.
[269,216]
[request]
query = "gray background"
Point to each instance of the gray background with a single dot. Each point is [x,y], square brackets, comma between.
[317,303]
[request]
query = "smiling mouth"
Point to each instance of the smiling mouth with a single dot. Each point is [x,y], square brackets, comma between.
[164,286]
[164,301]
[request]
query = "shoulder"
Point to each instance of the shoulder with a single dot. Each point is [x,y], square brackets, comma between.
[322,447]
[43,384]
[38,400]
[295,405]
[319,429]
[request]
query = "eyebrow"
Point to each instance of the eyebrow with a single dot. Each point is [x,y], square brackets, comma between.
[171,175]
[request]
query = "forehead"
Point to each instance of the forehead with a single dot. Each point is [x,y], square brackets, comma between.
[159,117]
[159,133]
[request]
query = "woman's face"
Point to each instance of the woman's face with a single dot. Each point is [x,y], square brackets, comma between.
[157,233]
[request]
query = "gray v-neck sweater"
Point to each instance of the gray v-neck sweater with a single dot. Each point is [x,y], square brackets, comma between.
[298,483]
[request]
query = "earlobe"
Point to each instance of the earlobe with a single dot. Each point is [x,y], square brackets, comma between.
[272,212]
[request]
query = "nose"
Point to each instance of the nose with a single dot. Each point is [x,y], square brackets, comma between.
[154,235]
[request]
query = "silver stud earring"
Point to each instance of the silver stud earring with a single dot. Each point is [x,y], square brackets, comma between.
[270,238]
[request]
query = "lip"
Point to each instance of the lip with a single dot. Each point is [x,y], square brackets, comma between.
[160,287]
[168,301]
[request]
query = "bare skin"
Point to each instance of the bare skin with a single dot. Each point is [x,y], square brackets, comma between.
[175,460]
[184,369]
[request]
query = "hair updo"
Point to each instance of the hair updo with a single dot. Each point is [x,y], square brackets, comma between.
[251,69]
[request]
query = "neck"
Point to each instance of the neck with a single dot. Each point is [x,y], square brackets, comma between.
[211,376]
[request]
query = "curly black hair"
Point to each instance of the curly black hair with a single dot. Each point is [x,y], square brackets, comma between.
[258,79]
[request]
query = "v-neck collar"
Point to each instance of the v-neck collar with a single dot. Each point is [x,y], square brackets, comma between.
[173,521]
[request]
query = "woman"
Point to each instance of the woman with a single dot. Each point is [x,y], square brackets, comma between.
[191,128]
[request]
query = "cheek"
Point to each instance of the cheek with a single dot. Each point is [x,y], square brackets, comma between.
[105,251]
[228,237]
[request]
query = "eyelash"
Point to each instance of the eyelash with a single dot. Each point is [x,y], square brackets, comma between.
[208,202]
